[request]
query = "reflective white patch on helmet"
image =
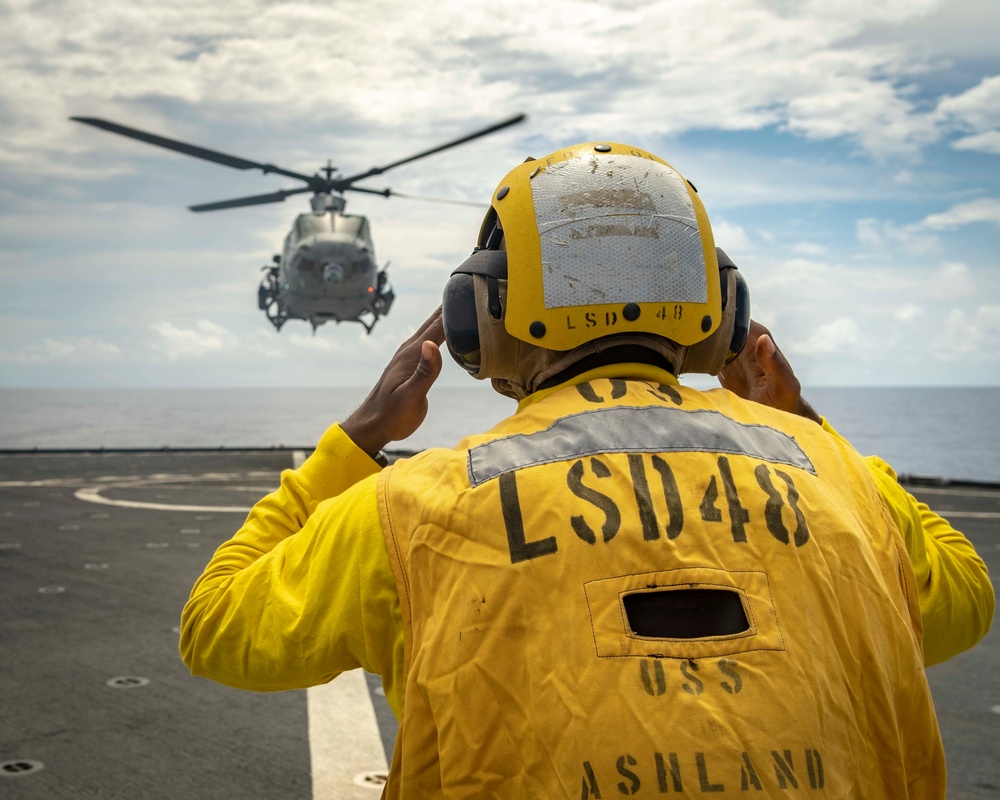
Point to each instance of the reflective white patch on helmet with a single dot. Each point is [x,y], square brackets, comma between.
[633,239]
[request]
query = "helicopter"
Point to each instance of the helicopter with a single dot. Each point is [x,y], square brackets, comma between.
[327,268]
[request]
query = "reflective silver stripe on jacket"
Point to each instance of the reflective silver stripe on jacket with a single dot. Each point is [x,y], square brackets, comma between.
[634,429]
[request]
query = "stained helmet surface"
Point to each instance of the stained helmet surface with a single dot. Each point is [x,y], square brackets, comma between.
[604,239]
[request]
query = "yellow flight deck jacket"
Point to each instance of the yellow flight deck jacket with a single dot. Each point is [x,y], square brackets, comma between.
[627,588]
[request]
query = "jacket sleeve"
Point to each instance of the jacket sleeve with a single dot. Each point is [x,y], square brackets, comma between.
[304,590]
[955,593]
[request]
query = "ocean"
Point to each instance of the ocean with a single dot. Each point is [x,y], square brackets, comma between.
[948,433]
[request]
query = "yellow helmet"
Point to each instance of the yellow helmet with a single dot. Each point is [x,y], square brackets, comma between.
[605,238]
[596,240]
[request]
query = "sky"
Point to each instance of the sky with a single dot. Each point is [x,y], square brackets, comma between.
[848,155]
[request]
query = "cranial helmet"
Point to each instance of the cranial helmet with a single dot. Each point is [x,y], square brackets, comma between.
[598,253]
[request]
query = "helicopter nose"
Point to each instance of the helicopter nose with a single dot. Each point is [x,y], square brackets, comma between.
[333,272]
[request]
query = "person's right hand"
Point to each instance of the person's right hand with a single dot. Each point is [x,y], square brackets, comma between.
[761,373]
[397,405]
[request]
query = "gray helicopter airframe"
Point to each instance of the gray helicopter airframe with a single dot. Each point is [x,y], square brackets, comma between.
[327,268]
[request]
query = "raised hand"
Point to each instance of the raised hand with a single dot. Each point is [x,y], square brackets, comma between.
[762,373]
[397,405]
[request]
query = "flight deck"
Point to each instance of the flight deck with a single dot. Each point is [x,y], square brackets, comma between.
[98,551]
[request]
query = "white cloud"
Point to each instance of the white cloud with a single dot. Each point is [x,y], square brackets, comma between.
[976,111]
[911,239]
[986,142]
[977,108]
[82,350]
[874,112]
[875,290]
[949,31]
[953,279]
[965,334]
[314,342]
[652,68]
[920,238]
[798,274]
[810,249]
[985,209]
[182,344]
[841,336]
[731,238]
[908,313]
[872,320]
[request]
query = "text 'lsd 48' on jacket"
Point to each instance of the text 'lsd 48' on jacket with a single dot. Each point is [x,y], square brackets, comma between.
[632,588]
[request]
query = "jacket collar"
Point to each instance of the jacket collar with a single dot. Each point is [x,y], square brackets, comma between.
[640,372]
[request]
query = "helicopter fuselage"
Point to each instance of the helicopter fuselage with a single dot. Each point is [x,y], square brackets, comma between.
[327,271]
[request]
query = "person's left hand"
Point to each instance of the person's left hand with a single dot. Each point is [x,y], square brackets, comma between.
[397,405]
[762,373]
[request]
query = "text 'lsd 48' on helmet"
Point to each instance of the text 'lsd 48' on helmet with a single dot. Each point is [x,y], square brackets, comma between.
[596,240]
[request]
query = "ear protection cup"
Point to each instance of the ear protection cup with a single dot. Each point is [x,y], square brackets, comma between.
[712,354]
[458,305]
[728,271]
[741,321]
[461,323]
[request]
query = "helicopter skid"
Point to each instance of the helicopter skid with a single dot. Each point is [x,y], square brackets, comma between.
[278,313]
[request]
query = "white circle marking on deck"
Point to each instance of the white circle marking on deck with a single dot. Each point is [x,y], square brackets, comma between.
[92,494]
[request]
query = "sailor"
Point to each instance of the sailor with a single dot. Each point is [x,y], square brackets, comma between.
[629,586]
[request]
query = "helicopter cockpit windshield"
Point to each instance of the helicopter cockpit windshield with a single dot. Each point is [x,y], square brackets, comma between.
[309,224]
[350,226]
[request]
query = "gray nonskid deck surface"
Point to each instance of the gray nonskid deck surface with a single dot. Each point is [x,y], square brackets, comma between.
[92,592]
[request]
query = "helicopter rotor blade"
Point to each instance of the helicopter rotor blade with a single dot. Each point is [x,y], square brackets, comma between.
[448,201]
[345,183]
[254,200]
[391,193]
[383,192]
[190,149]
